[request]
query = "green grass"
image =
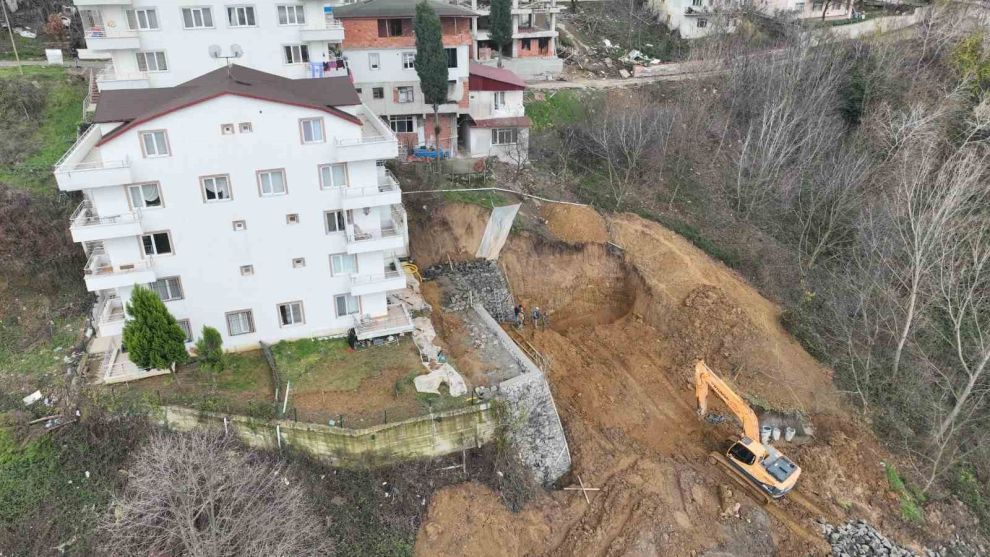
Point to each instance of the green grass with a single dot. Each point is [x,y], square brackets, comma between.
[315,365]
[27,475]
[560,107]
[27,49]
[486,199]
[42,357]
[910,499]
[63,112]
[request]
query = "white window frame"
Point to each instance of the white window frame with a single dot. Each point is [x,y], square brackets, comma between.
[377,92]
[498,100]
[271,192]
[134,18]
[245,127]
[215,179]
[158,57]
[238,13]
[170,286]
[498,139]
[239,225]
[393,120]
[374,61]
[186,327]
[204,12]
[348,298]
[298,262]
[247,270]
[295,54]
[330,178]
[245,322]
[407,92]
[338,266]
[290,314]
[409,60]
[157,148]
[702,23]
[339,221]
[139,188]
[293,14]
[307,131]
[154,246]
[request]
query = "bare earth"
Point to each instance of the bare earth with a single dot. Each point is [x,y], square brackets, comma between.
[626,326]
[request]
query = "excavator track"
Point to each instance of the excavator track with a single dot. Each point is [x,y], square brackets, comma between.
[772,506]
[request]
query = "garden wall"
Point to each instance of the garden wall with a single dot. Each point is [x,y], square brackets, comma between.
[434,435]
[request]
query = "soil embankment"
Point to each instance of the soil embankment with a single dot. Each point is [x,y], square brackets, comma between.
[631,306]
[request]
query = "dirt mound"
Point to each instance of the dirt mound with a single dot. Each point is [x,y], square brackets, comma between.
[452,233]
[575,224]
[626,325]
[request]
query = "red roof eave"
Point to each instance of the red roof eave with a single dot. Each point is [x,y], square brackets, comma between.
[134,123]
[508,122]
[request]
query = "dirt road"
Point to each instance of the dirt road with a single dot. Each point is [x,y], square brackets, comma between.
[626,326]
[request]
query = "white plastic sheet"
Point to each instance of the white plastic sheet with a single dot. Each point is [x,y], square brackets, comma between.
[497,231]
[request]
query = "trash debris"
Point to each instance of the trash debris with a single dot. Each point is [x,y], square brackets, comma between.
[32,398]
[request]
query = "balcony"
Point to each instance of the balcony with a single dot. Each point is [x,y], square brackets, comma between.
[82,166]
[392,277]
[330,31]
[390,237]
[386,192]
[537,6]
[107,38]
[108,315]
[109,79]
[395,321]
[698,11]
[375,142]
[87,3]
[101,274]
[88,226]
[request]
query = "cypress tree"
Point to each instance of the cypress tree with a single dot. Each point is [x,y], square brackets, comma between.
[501,25]
[209,350]
[152,336]
[431,61]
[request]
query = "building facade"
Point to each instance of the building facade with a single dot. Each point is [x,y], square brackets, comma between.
[249,202]
[160,44]
[533,52]
[380,49]
[496,124]
[694,19]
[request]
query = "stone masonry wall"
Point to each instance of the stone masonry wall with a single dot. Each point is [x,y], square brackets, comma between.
[469,282]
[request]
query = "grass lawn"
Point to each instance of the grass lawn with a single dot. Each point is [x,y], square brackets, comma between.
[57,132]
[27,49]
[560,107]
[244,387]
[331,365]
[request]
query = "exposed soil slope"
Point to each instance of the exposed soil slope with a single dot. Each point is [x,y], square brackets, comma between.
[626,325]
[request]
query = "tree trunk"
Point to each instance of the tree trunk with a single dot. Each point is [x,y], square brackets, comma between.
[436,133]
[906,330]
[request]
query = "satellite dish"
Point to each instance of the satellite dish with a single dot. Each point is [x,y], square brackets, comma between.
[214,51]
[236,51]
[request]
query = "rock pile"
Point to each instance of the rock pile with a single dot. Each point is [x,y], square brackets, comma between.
[859,539]
[471,282]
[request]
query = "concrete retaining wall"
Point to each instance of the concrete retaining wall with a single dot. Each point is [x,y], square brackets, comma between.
[434,435]
[878,25]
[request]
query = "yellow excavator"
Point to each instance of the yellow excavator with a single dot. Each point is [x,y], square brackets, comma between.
[747,459]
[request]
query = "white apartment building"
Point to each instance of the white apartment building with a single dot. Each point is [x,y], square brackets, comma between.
[161,44]
[252,203]
[698,18]
[533,52]
[496,125]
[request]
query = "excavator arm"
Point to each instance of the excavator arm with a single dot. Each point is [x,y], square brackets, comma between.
[705,380]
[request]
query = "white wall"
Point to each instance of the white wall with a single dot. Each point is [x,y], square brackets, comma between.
[208,253]
[187,49]
[479,144]
[482,105]
[391,74]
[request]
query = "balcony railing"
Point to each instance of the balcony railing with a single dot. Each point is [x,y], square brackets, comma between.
[392,271]
[99,264]
[101,32]
[355,235]
[323,26]
[386,183]
[396,321]
[108,309]
[109,74]
[85,215]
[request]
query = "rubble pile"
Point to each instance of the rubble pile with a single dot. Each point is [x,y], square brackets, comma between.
[472,282]
[859,539]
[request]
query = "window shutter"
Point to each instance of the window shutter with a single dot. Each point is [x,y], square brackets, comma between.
[382,28]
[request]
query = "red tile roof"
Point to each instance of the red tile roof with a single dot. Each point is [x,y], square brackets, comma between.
[490,73]
[509,122]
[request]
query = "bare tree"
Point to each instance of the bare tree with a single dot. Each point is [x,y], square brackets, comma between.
[627,140]
[202,495]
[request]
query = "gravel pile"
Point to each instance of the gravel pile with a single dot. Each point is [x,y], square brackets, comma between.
[471,282]
[859,539]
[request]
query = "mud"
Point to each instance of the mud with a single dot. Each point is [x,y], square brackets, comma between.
[628,316]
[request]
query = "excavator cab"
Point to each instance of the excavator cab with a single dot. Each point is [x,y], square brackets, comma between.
[759,465]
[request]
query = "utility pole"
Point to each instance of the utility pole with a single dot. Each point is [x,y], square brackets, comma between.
[10,31]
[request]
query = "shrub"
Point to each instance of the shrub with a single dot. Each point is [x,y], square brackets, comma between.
[152,336]
[210,350]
